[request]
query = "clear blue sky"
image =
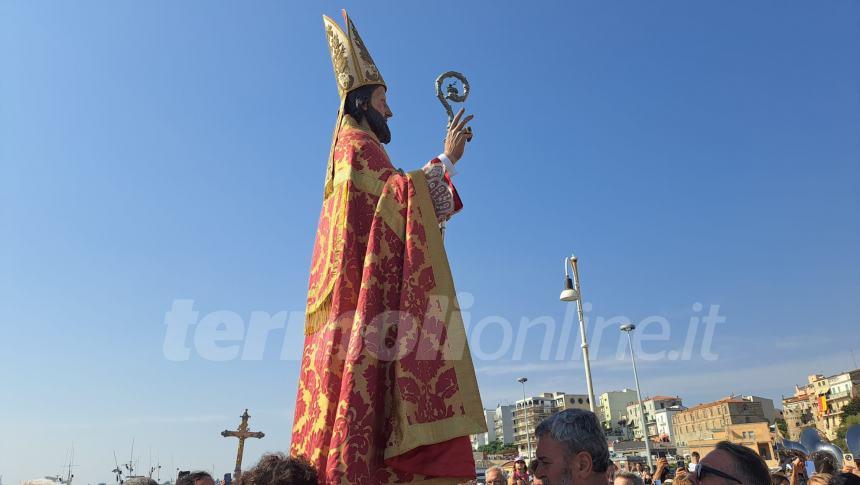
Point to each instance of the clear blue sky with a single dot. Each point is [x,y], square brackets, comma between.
[151,151]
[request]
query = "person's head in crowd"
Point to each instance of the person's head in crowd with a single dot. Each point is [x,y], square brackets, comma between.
[611,469]
[628,478]
[520,468]
[819,479]
[495,476]
[280,469]
[779,478]
[140,481]
[194,478]
[694,457]
[845,478]
[729,463]
[571,449]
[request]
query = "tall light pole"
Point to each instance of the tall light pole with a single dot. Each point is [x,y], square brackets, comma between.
[572,292]
[627,329]
[522,380]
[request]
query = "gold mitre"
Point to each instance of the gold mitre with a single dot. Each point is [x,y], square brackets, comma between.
[353,66]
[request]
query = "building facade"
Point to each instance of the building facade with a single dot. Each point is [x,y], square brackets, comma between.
[612,410]
[503,422]
[652,405]
[798,413]
[663,422]
[767,407]
[825,397]
[755,436]
[481,439]
[529,412]
[706,421]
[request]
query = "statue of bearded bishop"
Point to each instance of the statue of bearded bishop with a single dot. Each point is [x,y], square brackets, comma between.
[387,389]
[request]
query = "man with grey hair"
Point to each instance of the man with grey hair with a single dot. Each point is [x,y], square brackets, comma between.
[571,449]
[628,478]
[495,476]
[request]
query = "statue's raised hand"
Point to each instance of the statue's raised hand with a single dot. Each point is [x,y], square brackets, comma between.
[458,134]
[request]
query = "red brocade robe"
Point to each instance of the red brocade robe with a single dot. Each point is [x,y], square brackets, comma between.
[387,389]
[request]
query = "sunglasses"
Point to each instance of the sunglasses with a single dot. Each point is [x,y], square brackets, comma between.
[703,470]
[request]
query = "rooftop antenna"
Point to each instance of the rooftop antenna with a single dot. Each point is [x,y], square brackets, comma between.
[158,468]
[130,465]
[69,475]
[153,469]
[117,471]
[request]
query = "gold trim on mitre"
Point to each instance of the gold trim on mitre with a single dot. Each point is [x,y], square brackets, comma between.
[353,68]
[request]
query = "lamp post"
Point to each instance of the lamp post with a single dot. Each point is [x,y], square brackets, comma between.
[522,380]
[572,292]
[627,328]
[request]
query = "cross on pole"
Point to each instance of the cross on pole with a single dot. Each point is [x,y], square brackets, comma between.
[242,433]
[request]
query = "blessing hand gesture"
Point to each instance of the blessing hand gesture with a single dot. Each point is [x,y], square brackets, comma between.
[458,134]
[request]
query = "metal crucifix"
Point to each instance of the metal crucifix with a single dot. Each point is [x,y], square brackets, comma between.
[242,434]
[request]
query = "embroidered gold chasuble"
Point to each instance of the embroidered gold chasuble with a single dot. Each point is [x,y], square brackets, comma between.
[387,390]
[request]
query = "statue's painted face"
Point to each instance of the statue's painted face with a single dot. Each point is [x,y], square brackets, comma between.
[377,115]
[380,102]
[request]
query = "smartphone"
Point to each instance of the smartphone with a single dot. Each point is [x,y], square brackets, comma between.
[810,468]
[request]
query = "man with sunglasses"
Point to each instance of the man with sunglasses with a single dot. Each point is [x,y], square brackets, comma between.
[727,464]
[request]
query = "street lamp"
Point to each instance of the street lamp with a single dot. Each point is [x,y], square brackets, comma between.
[572,292]
[627,328]
[522,380]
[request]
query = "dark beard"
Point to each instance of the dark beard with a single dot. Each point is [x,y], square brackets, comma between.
[378,124]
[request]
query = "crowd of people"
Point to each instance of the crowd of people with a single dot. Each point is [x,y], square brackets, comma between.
[572,449]
[272,469]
